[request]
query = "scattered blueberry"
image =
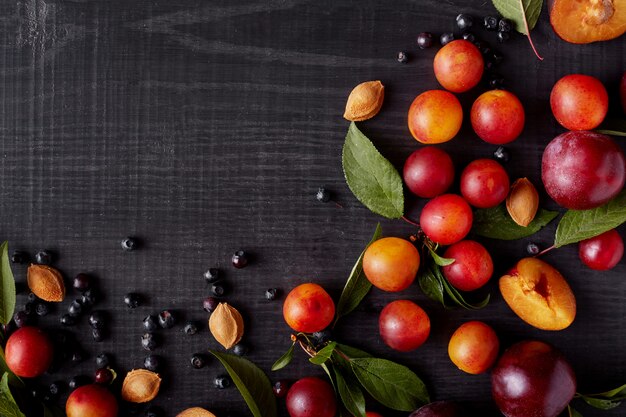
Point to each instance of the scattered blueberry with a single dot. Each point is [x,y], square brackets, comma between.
[21,319]
[132,300]
[240,259]
[32,297]
[469,36]
[190,328]
[402,58]
[218,290]
[271,294]
[151,363]
[501,154]
[150,323]
[222,382]
[149,341]
[280,388]
[129,244]
[42,308]
[464,21]
[322,337]
[490,22]
[97,319]
[154,411]
[212,275]
[75,309]
[103,376]
[82,282]
[532,248]
[503,36]
[29,308]
[103,360]
[504,25]
[425,40]
[98,335]
[67,320]
[240,349]
[198,361]
[446,38]
[89,298]
[57,387]
[166,319]
[19,257]
[210,304]
[43,258]
[78,381]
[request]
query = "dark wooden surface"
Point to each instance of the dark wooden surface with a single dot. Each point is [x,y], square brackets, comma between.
[206,126]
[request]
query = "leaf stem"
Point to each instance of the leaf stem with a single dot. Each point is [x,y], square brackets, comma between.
[530,39]
[308,349]
[543,252]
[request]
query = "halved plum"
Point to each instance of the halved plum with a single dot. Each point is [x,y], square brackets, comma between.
[586,21]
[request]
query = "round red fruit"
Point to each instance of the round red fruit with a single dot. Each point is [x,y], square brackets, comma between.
[472,267]
[311,397]
[428,172]
[28,352]
[91,401]
[474,347]
[497,117]
[579,102]
[459,66]
[602,252]
[446,219]
[484,183]
[403,325]
[308,308]
[391,264]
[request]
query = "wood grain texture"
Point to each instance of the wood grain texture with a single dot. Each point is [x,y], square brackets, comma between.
[207,126]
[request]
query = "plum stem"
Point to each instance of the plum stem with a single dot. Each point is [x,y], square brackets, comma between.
[409,221]
[543,252]
[530,39]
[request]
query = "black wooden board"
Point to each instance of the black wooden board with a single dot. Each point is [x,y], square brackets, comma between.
[203,127]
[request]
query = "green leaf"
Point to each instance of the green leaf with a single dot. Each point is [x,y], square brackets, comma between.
[458,298]
[330,375]
[284,360]
[572,412]
[577,225]
[496,223]
[7,286]
[613,127]
[432,286]
[511,10]
[357,286]
[352,352]
[252,383]
[350,393]
[439,260]
[616,392]
[611,132]
[436,286]
[8,407]
[372,179]
[393,385]
[324,354]
[600,404]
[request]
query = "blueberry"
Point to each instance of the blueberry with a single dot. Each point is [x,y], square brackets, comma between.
[149,341]
[240,259]
[67,320]
[166,319]
[151,363]
[103,376]
[322,337]
[402,58]
[212,275]
[129,244]
[42,308]
[210,304]
[532,248]
[198,361]
[57,387]
[103,360]
[98,335]
[43,258]
[280,388]
[240,349]
[464,21]
[154,411]
[21,319]
[271,294]
[425,40]
[218,290]
[504,25]
[78,381]
[29,308]
[150,323]
[221,382]
[82,282]
[32,297]
[75,309]
[446,38]
[501,154]
[97,319]
[490,22]
[89,298]
[503,36]
[190,328]
[323,195]
[132,300]
[19,257]
[469,36]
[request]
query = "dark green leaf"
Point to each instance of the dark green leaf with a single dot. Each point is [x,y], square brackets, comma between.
[357,286]
[611,132]
[371,178]
[600,403]
[352,352]
[616,392]
[439,260]
[330,375]
[350,393]
[252,383]
[323,354]
[511,10]
[8,407]
[458,298]
[393,385]
[431,286]
[572,412]
[436,286]
[613,127]
[577,225]
[7,286]
[496,223]
[284,360]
